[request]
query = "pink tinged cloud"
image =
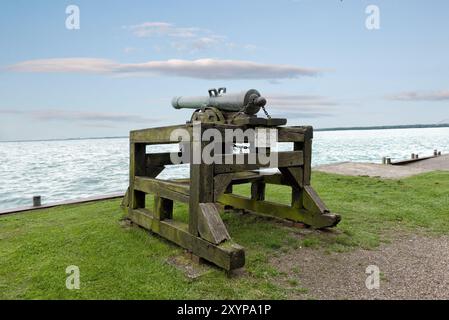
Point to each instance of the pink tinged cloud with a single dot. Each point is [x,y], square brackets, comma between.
[420,96]
[200,69]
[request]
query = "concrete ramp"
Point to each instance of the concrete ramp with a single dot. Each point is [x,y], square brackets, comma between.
[386,171]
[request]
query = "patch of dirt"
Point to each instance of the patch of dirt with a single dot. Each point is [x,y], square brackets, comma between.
[411,267]
[125,223]
[191,269]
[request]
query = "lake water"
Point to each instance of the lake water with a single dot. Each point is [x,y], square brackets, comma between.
[64,170]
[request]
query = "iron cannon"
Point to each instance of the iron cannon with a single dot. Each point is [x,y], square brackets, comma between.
[227,108]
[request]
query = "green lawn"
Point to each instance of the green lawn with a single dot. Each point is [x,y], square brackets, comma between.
[120,262]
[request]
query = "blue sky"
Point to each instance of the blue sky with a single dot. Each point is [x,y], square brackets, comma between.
[315,60]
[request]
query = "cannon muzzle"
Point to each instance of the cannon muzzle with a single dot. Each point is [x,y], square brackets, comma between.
[249,101]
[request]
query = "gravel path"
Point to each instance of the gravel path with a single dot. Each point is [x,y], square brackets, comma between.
[412,267]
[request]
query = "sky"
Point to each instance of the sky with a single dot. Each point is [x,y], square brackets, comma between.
[316,61]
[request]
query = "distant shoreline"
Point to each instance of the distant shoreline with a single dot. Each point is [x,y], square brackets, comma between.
[411,126]
[407,126]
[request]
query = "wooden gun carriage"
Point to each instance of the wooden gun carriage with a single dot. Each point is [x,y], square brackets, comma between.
[209,188]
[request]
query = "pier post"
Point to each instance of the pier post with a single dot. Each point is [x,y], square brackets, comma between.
[37,201]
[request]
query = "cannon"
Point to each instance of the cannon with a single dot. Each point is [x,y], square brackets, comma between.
[222,108]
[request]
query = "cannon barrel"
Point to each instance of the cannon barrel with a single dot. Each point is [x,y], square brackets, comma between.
[249,101]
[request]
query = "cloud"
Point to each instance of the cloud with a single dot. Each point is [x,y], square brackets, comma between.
[208,69]
[420,96]
[66,65]
[128,50]
[300,106]
[191,39]
[10,111]
[292,101]
[81,116]
[150,29]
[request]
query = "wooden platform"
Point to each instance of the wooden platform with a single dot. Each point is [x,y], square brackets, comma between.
[210,188]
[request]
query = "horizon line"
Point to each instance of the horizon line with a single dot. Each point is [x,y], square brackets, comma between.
[355,128]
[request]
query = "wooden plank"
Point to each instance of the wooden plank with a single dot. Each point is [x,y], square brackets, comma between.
[210,225]
[263,207]
[291,134]
[227,255]
[163,159]
[157,135]
[240,162]
[313,202]
[256,121]
[169,190]
[313,219]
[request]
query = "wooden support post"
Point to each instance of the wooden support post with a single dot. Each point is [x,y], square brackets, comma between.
[163,208]
[298,174]
[258,191]
[37,201]
[201,179]
[137,168]
[307,151]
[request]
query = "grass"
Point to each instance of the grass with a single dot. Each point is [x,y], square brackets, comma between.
[119,262]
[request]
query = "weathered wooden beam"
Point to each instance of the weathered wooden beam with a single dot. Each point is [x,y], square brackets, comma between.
[137,167]
[157,135]
[125,201]
[313,219]
[163,159]
[166,189]
[227,255]
[210,225]
[291,134]
[307,149]
[240,162]
[313,202]
[201,181]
